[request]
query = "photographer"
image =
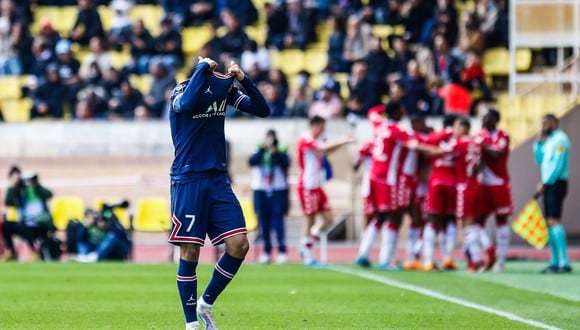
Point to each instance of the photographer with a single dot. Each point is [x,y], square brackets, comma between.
[102,237]
[269,181]
[12,205]
[35,220]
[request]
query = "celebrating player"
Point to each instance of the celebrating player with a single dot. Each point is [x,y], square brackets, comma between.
[496,188]
[202,200]
[311,151]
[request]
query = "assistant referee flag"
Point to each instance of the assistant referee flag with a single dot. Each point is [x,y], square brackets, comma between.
[531,225]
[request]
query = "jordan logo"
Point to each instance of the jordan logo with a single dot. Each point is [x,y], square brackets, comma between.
[208,90]
[191,301]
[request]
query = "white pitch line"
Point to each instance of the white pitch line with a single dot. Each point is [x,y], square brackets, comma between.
[440,296]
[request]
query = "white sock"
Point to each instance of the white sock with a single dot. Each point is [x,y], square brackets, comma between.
[429,236]
[388,245]
[192,325]
[471,239]
[368,238]
[306,249]
[503,241]
[412,239]
[450,239]
[484,238]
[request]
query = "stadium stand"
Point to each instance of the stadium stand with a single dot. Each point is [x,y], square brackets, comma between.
[66,208]
[152,215]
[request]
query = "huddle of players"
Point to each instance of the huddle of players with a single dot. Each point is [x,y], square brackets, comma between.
[440,179]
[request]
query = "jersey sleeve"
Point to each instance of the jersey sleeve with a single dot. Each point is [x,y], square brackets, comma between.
[185,96]
[253,102]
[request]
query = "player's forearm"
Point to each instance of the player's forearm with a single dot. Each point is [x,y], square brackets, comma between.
[187,100]
[257,105]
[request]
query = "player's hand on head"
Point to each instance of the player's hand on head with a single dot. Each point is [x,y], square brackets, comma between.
[235,71]
[212,64]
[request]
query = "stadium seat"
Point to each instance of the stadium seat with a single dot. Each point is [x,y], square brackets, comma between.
[121,213]
[151,16]
[142,82]
[194,38]
[152,214]
[256,33]
[382,31]
[10,88]
[11,214]
[120,59]
[523,59]
[67,17]
[342,78]
[249,214]
[16,111]
[65,209]
[496,61]
[106,15]
[315,61]
[292,61]
[40,12]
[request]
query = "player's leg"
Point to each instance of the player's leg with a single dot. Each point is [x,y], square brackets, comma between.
[466,205]
[417,222]
[187,282]
[449,232]
[389,237]
[326,218]
[436,207]
[308,201]
[503,208]
[371,225]
[553,202]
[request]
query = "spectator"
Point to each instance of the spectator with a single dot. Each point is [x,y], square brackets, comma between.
[359,84]
[276,103]
[329,106]
[499,36]
[244,10]
[402,55]
[270,165]
[254,55]
[68,66]
[9,13]
[300,28]
[36,220]
[43,55]
[394,13]
[98,54]
[350,7]
[142,48]
[456,98]
[445,17]
[357,42]
[83,111]
[416,97]
[471,38]
[435,106]
[169,45]
[50,97]
[327,77]
[276,26]
[380,62]
[94,95]
[120,23]
[487,12]
[300,97]
[336,43]
[415,14]
[123,107]
[256,74]
[47,33]
[235,39]
[379,9]
[88,23]
[215,45]
[278,79]
[445,64]
[112,80]
[474,76]
[196,12]
[15,49]
[13,204]
[177,10]
[163,80]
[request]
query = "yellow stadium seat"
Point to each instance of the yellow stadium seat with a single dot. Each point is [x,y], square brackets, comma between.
[67,17]
[382,31]
[151,16]
[399,29]
[106,15]
[292,61]
[315,61]
[523,59]
[496,61]
[121,213]
[65,209]
[120,59]
[10,88]
[194,38]
[249,214]
[152,214]
[275,58]
[40,12]
[256,33]
[342,78]
[11,214]
[16,111]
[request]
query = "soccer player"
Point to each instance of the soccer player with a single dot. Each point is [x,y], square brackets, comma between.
[440,200]
[389,142]
[371,225]
[311,151]
[202,201]
[552,152]
[495,187]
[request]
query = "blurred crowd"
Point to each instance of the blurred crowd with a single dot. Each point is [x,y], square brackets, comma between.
[431,66]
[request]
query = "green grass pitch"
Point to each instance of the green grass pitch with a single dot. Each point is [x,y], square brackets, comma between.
[133,296]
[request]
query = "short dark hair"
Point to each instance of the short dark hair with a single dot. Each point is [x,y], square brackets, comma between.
[551,117]
[316,120]
[494,113]
[393,109]
[418,117]
[464,121]
[14,169]
[448,120]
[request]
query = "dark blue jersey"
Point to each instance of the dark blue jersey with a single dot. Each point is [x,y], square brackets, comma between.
[197,119]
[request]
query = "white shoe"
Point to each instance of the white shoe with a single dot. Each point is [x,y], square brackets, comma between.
[88,258]
[264,259]
[192,326]
[282,258]
[205,314]
[499,267]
